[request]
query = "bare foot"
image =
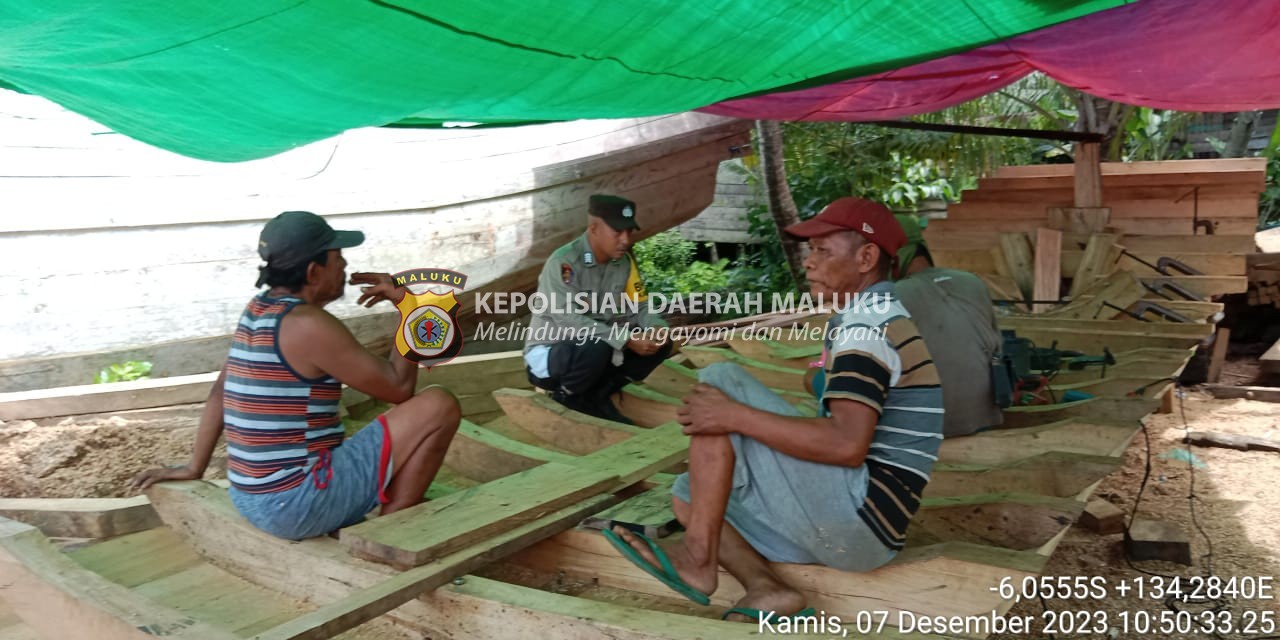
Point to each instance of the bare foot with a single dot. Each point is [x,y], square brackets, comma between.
[776,597]
[700,573]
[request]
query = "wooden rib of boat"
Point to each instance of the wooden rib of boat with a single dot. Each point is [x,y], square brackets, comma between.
[497,548]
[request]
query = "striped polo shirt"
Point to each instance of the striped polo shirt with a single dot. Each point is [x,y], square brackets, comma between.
[277,423]
[875,356]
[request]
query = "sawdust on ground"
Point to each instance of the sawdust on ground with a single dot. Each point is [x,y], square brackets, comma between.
[95,456]
[1235,532]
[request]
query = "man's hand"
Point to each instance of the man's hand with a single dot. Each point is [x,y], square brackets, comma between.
[379,287]
[149,477]
[643,347]
[707,411]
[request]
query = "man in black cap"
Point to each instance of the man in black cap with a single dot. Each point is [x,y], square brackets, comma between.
[293,472]
[585,358]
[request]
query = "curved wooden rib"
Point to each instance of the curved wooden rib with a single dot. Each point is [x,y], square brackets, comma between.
[483,455]
[60,599]
[762,350]
[785,378]
[1055,473]
[1010,521]
[945,579]
[1003,446]
[569,430]
[1127,411]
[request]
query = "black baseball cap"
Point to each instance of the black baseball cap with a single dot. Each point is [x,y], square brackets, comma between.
[618,213]
[296,236]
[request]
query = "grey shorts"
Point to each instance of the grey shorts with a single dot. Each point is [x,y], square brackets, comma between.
[788,509]
[332,496]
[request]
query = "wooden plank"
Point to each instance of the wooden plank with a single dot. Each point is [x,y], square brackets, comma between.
[1231,441]
[960,238]
[672,379]
[772,376]
[648,408]
[1221,341]
[1126,411]
[1053,473]
[1010,521]
[1048,275]
[1088,174]
[1003,221]
[1018,258]
[1261,394]
[60,599]
[1079,219]
[1098,261]
[111,396]
[82,517]
[944,579]
[1006,446]
[365,604]
[204,516]
[1214,264]
[649,513]
[423,533]
[566,429]
[484,455]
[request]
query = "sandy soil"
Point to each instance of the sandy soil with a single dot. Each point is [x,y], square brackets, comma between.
[1236,493]
[94,456]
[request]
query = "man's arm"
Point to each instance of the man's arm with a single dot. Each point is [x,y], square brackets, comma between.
[206,439]
[330,347]
[841,439]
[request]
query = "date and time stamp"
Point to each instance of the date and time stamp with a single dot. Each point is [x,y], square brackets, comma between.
[1190,611]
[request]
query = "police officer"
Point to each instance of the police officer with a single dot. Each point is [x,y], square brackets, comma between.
[585,358]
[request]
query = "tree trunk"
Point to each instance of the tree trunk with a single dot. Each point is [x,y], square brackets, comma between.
[781,205]
[1241,131]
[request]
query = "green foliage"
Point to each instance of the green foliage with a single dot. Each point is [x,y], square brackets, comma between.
[1157,134]
[669,264]
[1269,200]
[761,268]
[124,372]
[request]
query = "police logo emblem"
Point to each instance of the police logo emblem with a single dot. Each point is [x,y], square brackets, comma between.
[429,333]
[566,273]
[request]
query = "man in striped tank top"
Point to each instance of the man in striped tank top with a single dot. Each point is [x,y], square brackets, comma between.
[293,473]
[837,490]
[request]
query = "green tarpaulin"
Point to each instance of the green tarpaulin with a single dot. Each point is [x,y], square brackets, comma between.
[241,79]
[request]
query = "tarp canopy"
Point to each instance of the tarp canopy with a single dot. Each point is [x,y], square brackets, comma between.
[1189,55]
[240,79]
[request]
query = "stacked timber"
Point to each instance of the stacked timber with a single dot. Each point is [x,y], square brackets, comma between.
[1183,228]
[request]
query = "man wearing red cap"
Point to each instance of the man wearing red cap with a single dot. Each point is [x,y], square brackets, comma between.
[838,489]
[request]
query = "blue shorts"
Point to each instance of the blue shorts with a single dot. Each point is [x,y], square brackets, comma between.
[333,495]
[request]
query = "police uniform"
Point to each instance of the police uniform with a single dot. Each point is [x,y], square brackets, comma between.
[582,373]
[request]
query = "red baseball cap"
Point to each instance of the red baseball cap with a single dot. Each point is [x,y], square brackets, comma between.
[872,220]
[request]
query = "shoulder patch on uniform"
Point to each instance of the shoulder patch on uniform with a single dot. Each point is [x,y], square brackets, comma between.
[566,273]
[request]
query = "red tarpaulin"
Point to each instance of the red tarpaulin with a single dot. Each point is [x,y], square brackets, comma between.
[1189,55]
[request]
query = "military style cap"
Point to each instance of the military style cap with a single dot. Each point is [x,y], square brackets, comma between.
[295,236]
[618,213]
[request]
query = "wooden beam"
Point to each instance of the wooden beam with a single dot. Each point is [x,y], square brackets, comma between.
[647,407]
[111,396]
[1006,446]
[1126,411]
[1098,262]
[944,579]
[82,517]
[1053,473]
[1010,521]
[1260,394]
[566,429]
[772,376]
[484,455]
[649,513]
[1021,264]
[1048,274]
[60,599]
[1221,341]
[1088,174]
[426,532]
[1079,219]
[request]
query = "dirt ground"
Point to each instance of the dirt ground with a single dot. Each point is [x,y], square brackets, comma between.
[1236,530]
[94,456]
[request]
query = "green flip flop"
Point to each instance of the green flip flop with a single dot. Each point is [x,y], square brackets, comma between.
[756,614]
[666,574]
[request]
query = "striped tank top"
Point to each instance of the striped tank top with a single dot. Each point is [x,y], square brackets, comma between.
[278,424]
